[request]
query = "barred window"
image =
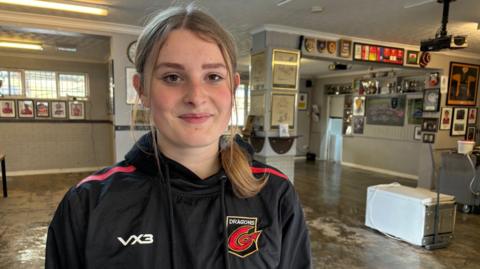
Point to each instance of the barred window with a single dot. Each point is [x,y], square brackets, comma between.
[72,85]
[40,84]
[238,114]
[11,82]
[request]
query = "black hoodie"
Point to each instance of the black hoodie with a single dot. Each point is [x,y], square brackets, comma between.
[132,215]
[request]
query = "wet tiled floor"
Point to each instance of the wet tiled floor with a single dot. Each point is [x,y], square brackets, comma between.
[334,202]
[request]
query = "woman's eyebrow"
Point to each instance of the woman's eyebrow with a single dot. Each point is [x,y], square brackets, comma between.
[170,65]
[213,66]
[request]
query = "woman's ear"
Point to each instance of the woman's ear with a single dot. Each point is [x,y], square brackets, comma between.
[137,84]
[236,80]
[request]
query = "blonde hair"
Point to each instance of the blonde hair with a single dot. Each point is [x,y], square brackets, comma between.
[235,160]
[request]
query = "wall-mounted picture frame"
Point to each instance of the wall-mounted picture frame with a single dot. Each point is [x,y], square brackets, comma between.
[459,122]
[412,57]
[7,109]
[131,92]
[283,110]
[417,133]
[431,100]
[76,110]
[430,125]
[377,53]
[345,48]
[428,138]
[59,109]
[446,118]
[471,133]
[358,125]
[462,84]
[302,101]
[258,71]
[472,115]
[42,109]
[25,108]
[257,104]
[285,65]
[359,106]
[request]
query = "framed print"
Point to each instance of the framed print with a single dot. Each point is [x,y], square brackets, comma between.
[459,122]
[359,106]
[415,111]
[59,109]
[471,132]
[302,101]
[431,100]
[285,69]
[472,115]
[358,123]
[446,118]
[258,72]
[345,48]
[76,110]
[42,109]
[283,109]
[417,133]
[412,57]
[377,53]
[257,104]
[462,84]
[25,108]
[386,110]
[428,138]
[7,109]
[430,125]
[131,92]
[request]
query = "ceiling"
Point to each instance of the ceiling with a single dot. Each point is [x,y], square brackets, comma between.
[384,20]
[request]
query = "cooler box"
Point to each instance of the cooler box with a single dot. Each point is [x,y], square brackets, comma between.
[409,213]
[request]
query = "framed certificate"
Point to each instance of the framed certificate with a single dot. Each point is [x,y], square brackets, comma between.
[285,69]
[283,110]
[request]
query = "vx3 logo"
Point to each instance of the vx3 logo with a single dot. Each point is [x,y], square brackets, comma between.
[134,239]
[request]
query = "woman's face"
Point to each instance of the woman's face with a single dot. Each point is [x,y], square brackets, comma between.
[190,92]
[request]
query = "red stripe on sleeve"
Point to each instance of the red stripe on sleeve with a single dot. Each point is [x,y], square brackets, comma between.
[260,170]
[100,177]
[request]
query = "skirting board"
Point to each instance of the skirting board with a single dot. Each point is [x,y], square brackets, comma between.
[382,171]
[52,171]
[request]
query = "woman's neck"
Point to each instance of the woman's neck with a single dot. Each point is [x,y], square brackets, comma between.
[203,161]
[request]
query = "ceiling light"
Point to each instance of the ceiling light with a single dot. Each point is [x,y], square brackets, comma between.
[317,9]
[17,45]
[283,2]
[57,6]
[67,49]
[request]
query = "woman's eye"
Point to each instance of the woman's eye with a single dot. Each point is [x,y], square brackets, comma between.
[215,77]
[172,78]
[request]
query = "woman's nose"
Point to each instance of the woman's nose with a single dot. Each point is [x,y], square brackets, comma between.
[195,93]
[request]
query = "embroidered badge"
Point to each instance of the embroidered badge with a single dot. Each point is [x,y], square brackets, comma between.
[242,235]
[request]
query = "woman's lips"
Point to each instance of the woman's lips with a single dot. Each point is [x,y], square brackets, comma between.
[195,118]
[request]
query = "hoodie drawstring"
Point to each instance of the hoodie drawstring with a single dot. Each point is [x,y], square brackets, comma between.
[224,219]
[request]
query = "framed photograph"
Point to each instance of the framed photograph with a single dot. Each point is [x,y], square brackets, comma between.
[446,118]
[302,101]
[415,111]
[359,106]
[430,125]
[42,109]
[412,57]
[471,133]
[283,109]
[285,69]
[76,110]
[459,122]
[25,109]
[386,110]
[431,100]
[417,133]
[472,115]
[462,84]
[131,92]
[428,138]
[345,48]
[7,109]
[358,123]
[59,109]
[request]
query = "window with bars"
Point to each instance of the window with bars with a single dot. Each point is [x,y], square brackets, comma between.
[241,98]
[42,84]
[11,83]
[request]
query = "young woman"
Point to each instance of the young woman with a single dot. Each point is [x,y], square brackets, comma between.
[185,196]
